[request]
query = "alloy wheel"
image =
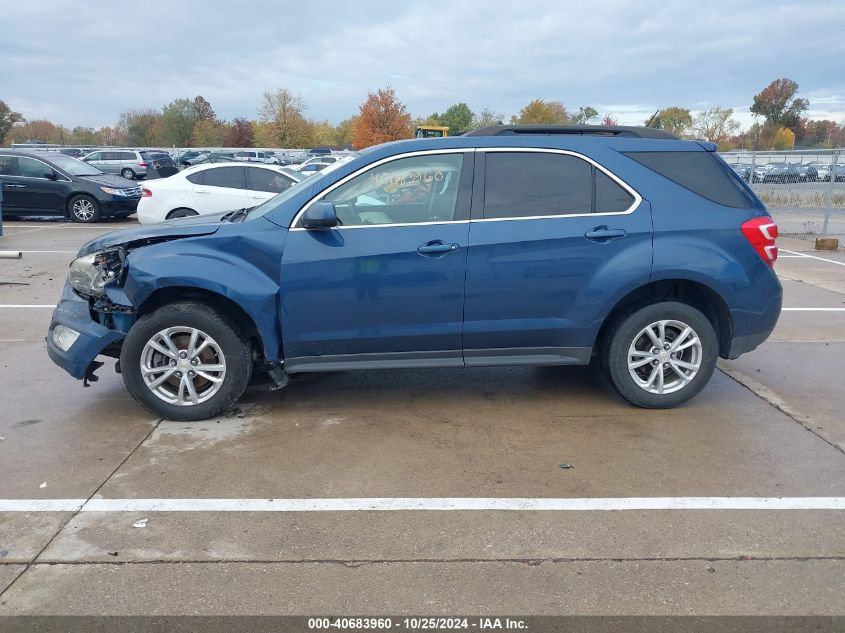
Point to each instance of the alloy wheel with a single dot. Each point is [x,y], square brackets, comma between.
[665,356]
[83,209]
[183,366]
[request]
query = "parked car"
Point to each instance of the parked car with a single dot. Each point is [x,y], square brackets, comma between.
[73,152]
[512,245]
[838,170]
[129,163]
[185,159]
[807,172]
[760,171]
[211,188]
[254,156]
[742,170]
[52,183]
[314,160]
[161,161]
[782,173]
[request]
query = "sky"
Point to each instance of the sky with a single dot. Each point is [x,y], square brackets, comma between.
[83,63]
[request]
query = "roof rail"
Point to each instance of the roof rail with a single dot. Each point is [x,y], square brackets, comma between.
[594,130]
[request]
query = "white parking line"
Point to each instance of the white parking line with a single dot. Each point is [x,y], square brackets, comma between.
[396,504]
[27,305]
[821,259]
[812,309]
[64,252]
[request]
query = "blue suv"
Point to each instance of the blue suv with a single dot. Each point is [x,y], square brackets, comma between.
[512,245]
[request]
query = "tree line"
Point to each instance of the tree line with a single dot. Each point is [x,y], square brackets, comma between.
[282,122]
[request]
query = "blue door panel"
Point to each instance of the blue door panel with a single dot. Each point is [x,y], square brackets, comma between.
[368,291]
[542,283]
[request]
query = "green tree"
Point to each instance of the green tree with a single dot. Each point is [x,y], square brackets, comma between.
[585,115]
[716,125]
[778,105]
[8,118]
[82,136]
[540,111]
[177,123]
[344,132]
[458,118]
[486,118]
[675,120]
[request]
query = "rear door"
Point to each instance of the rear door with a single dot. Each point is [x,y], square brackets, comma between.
[12,184]
[553,236]
[222,189]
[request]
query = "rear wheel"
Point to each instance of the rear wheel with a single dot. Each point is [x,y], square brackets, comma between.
[661,355]
[84,209]
[182,212]
[185,361]
[128,173]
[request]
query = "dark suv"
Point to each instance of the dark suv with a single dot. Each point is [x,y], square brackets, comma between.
[51,183]
[513,245]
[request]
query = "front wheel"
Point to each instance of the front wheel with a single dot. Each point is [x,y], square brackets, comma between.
[84,209]
[661,355]
[186,361]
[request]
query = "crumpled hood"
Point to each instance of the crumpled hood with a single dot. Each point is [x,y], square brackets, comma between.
[110,180]
[183,227]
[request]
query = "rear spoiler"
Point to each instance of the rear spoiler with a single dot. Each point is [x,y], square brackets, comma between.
[710,147]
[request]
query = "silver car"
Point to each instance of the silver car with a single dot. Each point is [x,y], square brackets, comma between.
[128,163]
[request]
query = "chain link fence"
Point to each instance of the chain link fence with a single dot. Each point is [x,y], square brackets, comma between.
[804,190]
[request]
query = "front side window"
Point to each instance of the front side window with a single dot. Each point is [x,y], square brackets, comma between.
[267,180]
[229,177]
[403,191]
[32,168]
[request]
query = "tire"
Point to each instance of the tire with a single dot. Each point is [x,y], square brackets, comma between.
[83,209]
[227,348]
[128,174]
[627,340]
[181,212]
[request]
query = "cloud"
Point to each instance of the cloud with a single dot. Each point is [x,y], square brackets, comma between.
[84,63]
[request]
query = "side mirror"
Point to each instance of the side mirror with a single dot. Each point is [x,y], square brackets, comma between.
[320,215]
[51,175]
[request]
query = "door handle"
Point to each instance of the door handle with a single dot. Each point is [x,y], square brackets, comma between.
[435,247]
[604,234]
[201,191]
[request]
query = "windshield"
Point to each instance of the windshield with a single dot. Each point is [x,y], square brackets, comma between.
[286,195]
[74,167]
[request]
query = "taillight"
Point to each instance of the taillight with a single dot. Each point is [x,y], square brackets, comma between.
[761,233]
[146,193]
[142,164]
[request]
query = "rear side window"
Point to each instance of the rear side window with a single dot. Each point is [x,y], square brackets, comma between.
[8,166]
[527,184]
[267,180]
[701,173]
[196,178]
[231,177]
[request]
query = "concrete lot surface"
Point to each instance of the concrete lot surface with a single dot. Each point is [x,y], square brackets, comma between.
[769,426]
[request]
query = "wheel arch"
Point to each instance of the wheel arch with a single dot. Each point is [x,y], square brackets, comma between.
[225,305]
[694,293]
[78,192]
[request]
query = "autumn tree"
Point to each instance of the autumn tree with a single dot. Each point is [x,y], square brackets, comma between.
[784,138]
[82,136]
[238,134]
[608,120]
[675,120]
[110,136]
[715,125]
[458,118]
[344,132]
[323,133]
[207,133]
[283,111]
[486,118]
[540,111]
[8,118]
[202,109]
[37,130]
[381,118]
[139,126]
[778,105]
[177,123]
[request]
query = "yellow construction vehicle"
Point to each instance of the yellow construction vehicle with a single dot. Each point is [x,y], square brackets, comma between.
[431,131]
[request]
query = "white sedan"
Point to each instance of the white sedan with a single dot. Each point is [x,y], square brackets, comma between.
[212,188]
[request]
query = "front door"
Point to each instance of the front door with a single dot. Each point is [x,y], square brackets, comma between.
[555,239]
[385,288]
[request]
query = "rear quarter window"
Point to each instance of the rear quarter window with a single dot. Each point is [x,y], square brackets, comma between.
[700,172]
